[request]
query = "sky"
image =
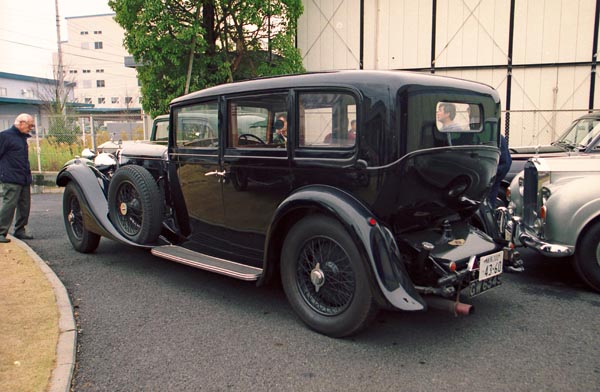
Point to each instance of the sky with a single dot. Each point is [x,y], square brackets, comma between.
[28,32]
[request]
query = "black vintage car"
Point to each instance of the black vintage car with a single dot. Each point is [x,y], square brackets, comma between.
[268,179]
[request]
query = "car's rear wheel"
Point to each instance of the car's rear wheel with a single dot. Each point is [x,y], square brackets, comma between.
[325,278]
[587,256]
[135,204]
[83,240]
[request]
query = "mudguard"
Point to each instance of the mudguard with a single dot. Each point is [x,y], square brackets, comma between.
[374,241]
[95,204]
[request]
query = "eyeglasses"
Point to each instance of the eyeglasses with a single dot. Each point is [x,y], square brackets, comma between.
[30,125]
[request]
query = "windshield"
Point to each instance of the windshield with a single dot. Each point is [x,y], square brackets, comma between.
[580,134]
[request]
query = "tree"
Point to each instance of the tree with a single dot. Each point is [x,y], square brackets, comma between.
[202,43]
[56,97]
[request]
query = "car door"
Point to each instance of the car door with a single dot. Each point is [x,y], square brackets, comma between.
[257,170]
[196,156]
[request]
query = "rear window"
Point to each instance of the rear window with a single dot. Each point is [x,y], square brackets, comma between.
[440,120]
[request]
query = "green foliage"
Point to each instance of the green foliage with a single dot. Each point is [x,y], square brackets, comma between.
[63,129]
[228,39]
[53,155]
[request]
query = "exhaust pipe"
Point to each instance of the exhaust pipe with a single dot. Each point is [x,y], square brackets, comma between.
[456,307]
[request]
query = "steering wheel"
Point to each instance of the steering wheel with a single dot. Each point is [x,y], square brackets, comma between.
[247,136]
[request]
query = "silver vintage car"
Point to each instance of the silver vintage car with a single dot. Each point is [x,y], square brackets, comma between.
[555,204]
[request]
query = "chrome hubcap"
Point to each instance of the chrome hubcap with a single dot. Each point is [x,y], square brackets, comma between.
[317,277]
[123,209]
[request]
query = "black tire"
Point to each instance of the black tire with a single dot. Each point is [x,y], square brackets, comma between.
[135,204]
[344,304]
[587,257]
[83,240]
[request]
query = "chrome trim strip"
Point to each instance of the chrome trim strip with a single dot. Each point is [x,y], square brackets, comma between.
[281,158]
[223,271]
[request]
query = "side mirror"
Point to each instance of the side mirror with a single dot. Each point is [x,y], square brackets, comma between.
[88,154]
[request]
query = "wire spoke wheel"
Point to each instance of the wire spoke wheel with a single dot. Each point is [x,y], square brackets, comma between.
[131,212]
[326,258]
[75,217]
[135,204]
[325,278]
[81,238]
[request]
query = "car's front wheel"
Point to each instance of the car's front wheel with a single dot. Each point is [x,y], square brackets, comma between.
[83,240]
[587,256]
[135,204]
[325,278]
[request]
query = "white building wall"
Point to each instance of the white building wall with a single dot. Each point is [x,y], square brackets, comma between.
[471,42]
[88,65]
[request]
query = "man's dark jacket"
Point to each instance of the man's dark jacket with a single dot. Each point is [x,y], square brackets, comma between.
[14,161]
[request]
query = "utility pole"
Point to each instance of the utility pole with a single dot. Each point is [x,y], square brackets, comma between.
[61,76]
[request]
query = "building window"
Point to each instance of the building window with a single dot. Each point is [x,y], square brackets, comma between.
[101,100]
[88,100]
[99,71]
[98,32]
[3,92]
[73,71]
[100,83]
[86,71]
[83,32]
[87,84]
[85,45]
[114,100]
[128,99]
[98,45]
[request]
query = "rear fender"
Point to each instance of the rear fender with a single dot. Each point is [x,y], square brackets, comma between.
[94,204]
[374,241]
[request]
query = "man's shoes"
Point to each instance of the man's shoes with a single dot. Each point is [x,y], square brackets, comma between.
[23,235]
[4,240]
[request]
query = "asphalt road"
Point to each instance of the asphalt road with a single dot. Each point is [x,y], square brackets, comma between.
[147,324]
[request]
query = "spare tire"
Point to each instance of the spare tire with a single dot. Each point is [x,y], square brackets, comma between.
[135,204]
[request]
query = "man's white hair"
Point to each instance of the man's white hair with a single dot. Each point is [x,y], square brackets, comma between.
[23,117]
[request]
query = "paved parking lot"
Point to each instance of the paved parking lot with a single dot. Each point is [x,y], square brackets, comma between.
[149,324]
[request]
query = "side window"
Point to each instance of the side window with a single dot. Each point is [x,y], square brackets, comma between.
[197,125]
[327,120]
[257,122]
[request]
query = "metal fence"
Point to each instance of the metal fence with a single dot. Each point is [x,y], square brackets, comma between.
[60,138]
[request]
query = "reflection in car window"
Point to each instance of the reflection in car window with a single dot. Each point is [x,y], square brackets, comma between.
[325,120]
[458,117]
[253,122]
[197,125]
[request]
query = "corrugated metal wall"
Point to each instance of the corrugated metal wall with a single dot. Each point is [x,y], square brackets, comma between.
[547,82]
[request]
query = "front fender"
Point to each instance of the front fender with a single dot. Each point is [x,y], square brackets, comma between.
[571,207]
[375,242]
[94,204]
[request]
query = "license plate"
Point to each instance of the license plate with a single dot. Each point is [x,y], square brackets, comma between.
[490,265]
[477,287]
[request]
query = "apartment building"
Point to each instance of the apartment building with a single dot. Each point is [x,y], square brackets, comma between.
[93,58]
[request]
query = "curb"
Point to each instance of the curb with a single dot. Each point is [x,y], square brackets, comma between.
[60,380]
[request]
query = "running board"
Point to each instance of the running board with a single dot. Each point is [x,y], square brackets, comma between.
[209,263]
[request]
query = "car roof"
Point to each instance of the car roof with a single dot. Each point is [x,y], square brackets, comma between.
[359,79]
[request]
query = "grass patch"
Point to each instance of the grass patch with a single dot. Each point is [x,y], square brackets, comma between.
[28,325]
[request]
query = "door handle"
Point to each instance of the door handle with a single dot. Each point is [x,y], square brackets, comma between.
[216,173]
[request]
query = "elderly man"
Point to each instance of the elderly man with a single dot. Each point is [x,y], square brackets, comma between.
[15,177]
